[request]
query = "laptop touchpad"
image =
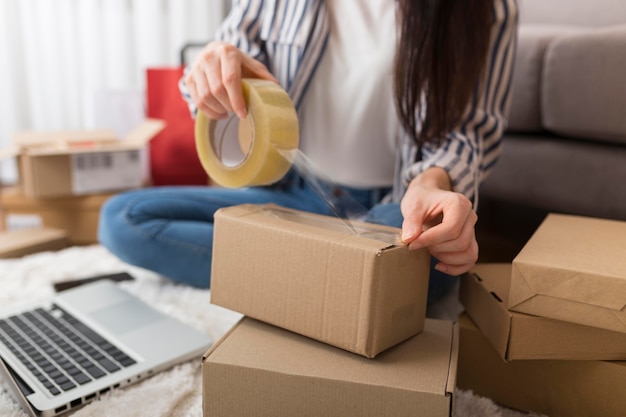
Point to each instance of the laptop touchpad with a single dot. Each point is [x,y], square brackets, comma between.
[126,316]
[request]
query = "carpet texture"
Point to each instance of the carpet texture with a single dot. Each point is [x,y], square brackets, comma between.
[176,392]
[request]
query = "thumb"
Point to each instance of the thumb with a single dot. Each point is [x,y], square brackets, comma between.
[411,228]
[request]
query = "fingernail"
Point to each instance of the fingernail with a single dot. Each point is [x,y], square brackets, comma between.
[407,234]
[441,268]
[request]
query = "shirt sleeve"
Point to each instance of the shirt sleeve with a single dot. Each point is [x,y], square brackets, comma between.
[240,28]
[469,152]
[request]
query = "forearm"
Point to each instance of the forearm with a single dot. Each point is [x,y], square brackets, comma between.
[434,178]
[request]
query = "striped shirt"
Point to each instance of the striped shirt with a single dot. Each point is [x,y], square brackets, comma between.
[289,37]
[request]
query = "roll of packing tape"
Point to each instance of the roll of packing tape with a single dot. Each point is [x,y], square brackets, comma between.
[255,150]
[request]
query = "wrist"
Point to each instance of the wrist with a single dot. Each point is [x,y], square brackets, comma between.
[434,178]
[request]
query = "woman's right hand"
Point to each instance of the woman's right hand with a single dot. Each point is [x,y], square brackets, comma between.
[214,80]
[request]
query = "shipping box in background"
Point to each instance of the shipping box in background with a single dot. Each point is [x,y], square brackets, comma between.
[556,388]
[261,370]
[484,293]
[78,216]
[18,243]
[573,269]
[64,163]
[351,287]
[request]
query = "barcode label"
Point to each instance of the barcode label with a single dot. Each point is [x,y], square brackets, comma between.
[23,221]
[107,171]
[91,161]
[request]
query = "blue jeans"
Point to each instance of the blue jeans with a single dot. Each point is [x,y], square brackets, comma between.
[169,230]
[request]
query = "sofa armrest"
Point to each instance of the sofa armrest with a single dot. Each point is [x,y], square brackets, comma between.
[584,85]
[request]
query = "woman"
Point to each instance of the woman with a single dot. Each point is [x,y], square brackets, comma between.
[402,103]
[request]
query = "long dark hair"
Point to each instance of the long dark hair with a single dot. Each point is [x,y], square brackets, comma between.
[441,55]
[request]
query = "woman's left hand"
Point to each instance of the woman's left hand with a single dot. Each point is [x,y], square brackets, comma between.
[440,220]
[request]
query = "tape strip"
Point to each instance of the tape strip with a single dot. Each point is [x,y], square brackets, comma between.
[260,149]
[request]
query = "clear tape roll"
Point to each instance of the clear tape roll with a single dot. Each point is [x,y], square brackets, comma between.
[256,150]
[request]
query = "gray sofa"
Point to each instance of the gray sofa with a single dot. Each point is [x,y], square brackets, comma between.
[565,147]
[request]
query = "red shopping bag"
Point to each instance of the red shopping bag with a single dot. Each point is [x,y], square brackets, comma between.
[173,156]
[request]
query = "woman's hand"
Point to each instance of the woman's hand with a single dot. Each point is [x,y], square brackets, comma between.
[214,81]
[441,220]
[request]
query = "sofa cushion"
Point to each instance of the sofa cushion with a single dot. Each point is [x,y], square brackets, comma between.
[525,114]
[573,12]
[584,84]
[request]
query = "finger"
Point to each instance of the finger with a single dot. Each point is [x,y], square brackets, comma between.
[411,228]
[453,222]
[203,101]
[458,243]
[231,79]
[458,263]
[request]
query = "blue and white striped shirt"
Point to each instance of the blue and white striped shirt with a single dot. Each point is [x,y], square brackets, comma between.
[289,37]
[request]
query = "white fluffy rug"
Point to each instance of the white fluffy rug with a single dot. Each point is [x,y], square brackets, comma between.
[176,392]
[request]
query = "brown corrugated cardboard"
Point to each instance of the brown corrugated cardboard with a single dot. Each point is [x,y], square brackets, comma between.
[77,215]
[17,243]
[261,370]
[573,269]
[555,388]
[54,164]
[350,287]
[484,293]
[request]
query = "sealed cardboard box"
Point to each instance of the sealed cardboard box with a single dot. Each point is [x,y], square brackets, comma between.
[573,269]
[351,286]
[63,163]
[17,243]
[484,293]
[556,388]
[261,370]
[78,216]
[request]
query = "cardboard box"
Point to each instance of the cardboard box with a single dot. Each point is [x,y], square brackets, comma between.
[18,243]
[261,370]
[351,287]
[573,269]
[484,293]
[63,163]
[78,216]
[555,388]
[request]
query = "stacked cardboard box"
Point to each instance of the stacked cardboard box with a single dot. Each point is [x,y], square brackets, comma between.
[66,176]
[547,333]
[65,163]
[334,320]
[77,216]
[18,243]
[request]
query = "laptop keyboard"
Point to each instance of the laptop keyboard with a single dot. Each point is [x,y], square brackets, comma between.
[60,351]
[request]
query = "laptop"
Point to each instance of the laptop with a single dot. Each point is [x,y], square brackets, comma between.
[87,340]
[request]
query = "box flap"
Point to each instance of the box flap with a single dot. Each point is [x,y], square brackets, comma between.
[143,133]
[17,243]
[9,152]
[86,141]
[63,138]
[573,258]
[454,359]
[485,306]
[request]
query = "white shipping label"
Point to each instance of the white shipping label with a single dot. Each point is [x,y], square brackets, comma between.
[23,221]
[107,171]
